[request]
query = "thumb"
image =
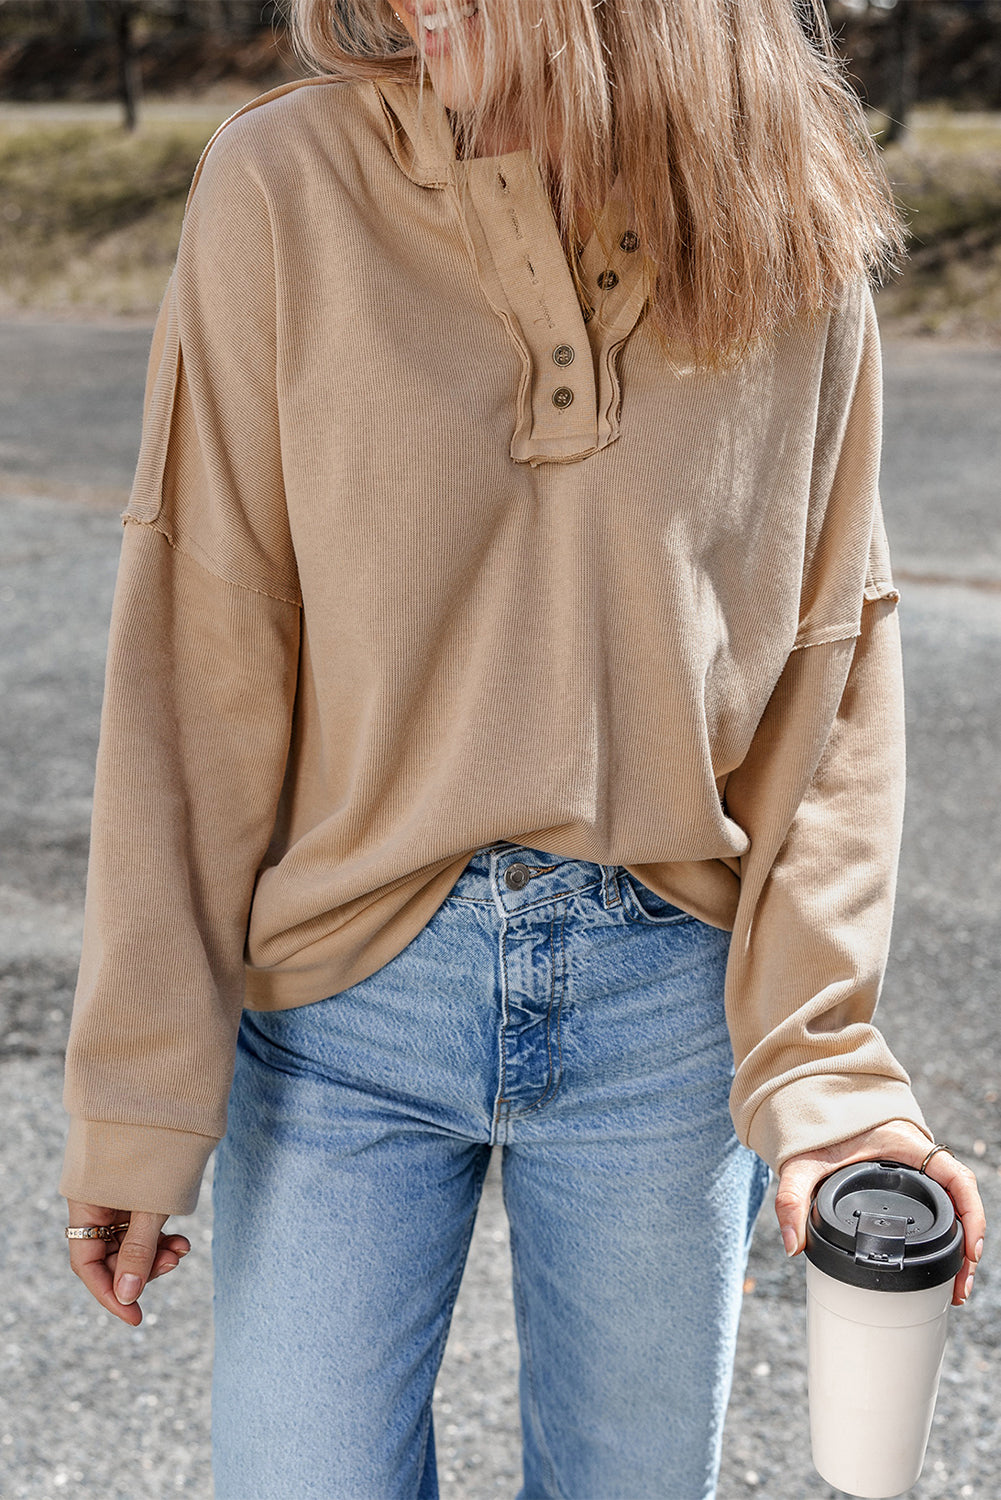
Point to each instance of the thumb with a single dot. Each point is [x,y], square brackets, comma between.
[136,1254]
[797,1180]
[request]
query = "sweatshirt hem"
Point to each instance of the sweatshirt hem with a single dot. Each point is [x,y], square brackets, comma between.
[133,1167]
[819,1110]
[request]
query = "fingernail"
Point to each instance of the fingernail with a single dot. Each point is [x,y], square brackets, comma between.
[789,1239]
[968,1287]
[128,1289]
[978,1252]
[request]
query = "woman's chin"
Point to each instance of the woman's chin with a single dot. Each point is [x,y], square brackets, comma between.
[454,87]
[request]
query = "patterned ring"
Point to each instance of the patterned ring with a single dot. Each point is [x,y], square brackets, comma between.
[96,1231]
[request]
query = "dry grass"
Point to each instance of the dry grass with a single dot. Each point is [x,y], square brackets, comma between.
[946,175]
[89,216]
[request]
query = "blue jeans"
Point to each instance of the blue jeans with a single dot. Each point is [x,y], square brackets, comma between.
[570,1015]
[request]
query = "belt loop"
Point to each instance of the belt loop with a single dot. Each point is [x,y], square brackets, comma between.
[610,893]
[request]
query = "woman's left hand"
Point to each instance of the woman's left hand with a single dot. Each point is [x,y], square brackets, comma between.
[898,1140]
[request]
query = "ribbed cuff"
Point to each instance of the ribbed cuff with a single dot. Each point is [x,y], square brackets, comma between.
[823,1109]
[140,1168]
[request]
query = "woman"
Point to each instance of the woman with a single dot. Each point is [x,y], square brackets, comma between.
[503,716]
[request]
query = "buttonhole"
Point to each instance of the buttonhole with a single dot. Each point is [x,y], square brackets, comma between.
[502,180]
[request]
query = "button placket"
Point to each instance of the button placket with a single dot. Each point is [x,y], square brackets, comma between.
[617,280]
[611,275]
[524,271]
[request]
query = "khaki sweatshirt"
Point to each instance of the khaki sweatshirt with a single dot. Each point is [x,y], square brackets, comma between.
[418,557]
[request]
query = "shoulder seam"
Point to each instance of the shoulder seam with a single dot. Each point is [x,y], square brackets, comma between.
[191,555]
[245,109]
[885,595]
[836,635]
[880,586]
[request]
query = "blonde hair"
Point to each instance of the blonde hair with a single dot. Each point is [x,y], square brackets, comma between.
[757,191]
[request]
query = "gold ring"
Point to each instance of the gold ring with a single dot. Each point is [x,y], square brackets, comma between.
[931,1153]
[96,1231]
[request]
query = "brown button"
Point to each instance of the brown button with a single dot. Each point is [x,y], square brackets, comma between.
[630,240]
[517,876]
[563,354]
[562,396]
[607,280]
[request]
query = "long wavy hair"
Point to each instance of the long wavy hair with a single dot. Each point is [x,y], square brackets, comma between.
[756,188]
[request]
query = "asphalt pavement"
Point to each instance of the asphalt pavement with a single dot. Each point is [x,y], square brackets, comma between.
[93,1409]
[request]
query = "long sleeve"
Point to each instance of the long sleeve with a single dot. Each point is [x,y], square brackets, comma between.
[813,920]
[820,796]
[195,724]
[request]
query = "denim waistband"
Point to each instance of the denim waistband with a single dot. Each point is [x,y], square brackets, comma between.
[515,876]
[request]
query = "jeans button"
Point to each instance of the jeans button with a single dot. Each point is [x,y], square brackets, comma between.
[517,875]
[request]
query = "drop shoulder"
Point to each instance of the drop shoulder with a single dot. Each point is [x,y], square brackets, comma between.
[269,135]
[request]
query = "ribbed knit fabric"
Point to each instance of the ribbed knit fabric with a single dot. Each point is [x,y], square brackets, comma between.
[417,559]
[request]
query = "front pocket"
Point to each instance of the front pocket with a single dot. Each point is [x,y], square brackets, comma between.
[647,906]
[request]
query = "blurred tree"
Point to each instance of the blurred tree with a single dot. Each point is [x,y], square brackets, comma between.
[904,69]
[122,15]
[222,15]
[901,18]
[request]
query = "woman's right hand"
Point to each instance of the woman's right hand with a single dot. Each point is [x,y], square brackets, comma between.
[115,1271]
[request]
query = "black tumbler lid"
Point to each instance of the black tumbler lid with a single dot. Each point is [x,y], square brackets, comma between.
[884,1226]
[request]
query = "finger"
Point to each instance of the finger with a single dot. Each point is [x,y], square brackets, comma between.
[94,1261]
[168,1255]
[960,1183]
[963,1285]
[161,1266]
[792,1201]
[87,1252]
[97,1278]
[175,1246]
[136,1254]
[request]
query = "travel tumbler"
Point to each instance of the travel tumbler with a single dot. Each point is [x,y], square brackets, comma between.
[883,1247]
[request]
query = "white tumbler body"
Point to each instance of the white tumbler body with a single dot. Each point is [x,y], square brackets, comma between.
[874,1360]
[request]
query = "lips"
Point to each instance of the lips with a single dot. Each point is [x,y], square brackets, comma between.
[434,25]
[435,21]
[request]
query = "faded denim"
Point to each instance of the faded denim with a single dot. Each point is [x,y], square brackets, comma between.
[576,1022]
